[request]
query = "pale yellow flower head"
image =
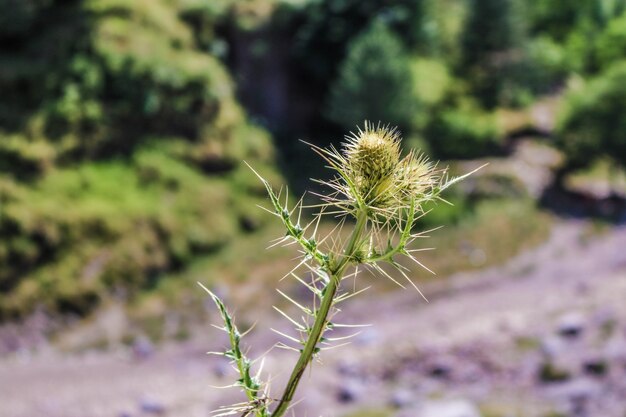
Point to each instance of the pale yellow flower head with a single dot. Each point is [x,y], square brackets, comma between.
[373,153]
[382,179]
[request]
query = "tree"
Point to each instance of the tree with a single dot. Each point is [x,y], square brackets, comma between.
[326,28]
[374,82]
[593,123]
[491,44]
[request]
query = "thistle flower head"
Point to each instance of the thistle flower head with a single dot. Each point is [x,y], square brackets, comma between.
[373,153]
[371,156]
[374,176]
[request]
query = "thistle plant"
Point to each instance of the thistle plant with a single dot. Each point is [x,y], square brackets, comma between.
[376,197]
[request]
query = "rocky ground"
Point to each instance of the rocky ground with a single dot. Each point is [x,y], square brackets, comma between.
[543,335]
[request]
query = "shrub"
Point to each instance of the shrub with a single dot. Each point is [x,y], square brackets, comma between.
[18,16]
[463,131]
[582,27]
[432,83]
[491,43]
[557,19]
[327,27]
[99,89]
[610,46]
[114,123]
[591,124]
[109,227]
[374,82]
[547,64]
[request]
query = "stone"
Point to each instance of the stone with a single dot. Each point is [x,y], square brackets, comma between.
[348,393]
[349,369]
[143,348]
[571,325]
[615,349]
[447,408]
[402,398]
[152,406]
[595,366]
[440,370]
[579,394]
[551,373]
[552,347]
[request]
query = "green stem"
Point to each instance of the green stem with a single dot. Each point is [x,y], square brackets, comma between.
[321,317]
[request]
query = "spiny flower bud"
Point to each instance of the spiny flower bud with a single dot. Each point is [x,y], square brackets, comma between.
[373,153]
[374,177]
[416,176]
[372,156]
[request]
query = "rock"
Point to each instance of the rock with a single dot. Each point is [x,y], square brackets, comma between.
[143,348]
[615,350]
[348,393]
[440,370]
[447,408]
[581,390]
[151,406]
[552,347]
[579,393]
[596,366]
[571,325]
[442,366]
[548,372]
[603,317]
[349,369]
[402,398]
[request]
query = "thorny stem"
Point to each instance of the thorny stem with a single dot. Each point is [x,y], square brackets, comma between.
[249,384]
[321,318]
[367,158]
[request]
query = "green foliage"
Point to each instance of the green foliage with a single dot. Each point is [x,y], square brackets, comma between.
[610,46]
[431,80]
[374,82]
[492,42]
[324,30]
[119,71]
[557,18]
[111,226]
[547,64]
[590,31]
[463,131]
[18,16]
[432,83]
[492,27]
[115,124]
[592,125]
[121,136]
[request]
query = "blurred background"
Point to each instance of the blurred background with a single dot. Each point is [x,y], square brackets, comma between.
[123,127]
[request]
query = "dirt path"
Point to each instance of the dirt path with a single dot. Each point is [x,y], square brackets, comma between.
[570,272]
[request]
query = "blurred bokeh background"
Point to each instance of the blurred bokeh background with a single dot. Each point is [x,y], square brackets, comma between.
[124,125]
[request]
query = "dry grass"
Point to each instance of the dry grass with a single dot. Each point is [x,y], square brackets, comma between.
[247,272]
[497,231]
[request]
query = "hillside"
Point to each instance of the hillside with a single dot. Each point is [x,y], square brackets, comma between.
[121,149]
